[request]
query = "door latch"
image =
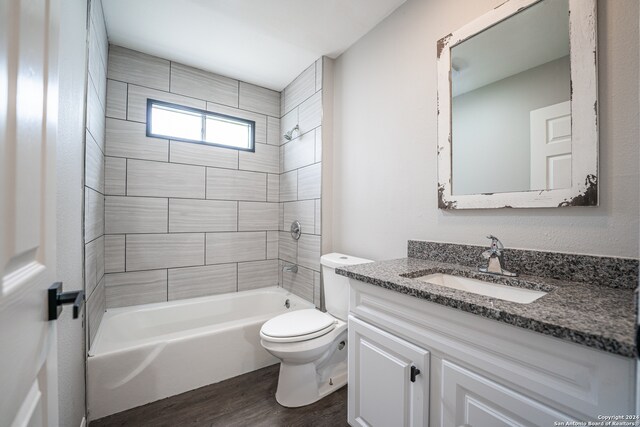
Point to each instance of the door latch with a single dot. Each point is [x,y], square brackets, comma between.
[57,299]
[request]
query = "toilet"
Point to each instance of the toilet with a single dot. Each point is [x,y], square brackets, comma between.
[312,345]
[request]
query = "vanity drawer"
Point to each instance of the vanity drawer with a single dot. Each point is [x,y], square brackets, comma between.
[574,379]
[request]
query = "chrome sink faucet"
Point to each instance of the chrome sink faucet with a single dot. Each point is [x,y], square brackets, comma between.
[495,263]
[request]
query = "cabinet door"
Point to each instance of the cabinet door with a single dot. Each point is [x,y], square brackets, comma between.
[382,390]
[473,400]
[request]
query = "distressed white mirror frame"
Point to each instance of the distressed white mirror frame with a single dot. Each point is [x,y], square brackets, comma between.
[584,115]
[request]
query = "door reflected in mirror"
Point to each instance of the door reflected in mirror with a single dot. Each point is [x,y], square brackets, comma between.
[510,105]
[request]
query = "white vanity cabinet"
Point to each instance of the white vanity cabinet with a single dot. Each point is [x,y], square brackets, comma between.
[473,371]
[389,378]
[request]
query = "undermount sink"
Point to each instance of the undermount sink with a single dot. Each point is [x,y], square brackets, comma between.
[503,292]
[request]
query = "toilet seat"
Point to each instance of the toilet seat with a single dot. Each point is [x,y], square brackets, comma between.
[299,325]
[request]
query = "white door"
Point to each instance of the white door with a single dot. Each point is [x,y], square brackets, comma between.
[28,116]
[388,379]
[551,147]
[469,399]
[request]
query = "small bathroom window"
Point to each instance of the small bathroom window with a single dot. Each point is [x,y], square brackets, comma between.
[180,123]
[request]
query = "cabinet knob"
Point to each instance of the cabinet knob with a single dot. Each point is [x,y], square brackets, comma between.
[414,373]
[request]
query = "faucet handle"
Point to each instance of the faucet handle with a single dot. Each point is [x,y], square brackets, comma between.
[496,244]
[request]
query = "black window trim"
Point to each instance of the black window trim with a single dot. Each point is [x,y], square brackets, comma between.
[204,113]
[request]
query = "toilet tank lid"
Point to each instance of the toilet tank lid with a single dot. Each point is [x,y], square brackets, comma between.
[335,260]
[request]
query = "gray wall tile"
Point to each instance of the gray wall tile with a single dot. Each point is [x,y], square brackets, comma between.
[257,274]
[138,68]
[300,283]
[157,179]
[273,188]
[96,305]
[201,84]
[259,99]
[319,144]
[137,101]
[318,217]
[310,113]
[128,139]
[260,119]
[100,258]
[317,290]
[94,165]
[289,186]
[90,265]
[300,152]
[225,184]
[115,175]
[309,182]
[97,22]
[272,244]
[236,247]
[255,216]
[114,253]
[264,159]
[204,155]
[303,211]
[300,89]
[193,282]
[187,215]
[116,99]
[273,131]
[135,215]
[95,116]
[287,247]
[140,287]
[97,69]
[153,251]
[309,251]
[93,215]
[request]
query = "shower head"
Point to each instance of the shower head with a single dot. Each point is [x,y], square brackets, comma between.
[289,135]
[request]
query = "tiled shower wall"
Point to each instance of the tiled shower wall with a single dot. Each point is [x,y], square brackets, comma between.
[300,182]
[94,170]
[186,220]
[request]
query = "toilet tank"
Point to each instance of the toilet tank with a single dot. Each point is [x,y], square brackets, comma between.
[336,288]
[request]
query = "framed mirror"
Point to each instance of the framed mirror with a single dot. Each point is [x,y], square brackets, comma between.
[518,109]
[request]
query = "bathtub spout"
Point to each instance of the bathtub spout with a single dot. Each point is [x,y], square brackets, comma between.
[291,268]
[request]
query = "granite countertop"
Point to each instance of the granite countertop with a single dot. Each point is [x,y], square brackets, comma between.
[596,316]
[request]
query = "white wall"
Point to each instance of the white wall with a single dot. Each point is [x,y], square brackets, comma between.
[491,132]
[70,170]
[385,169]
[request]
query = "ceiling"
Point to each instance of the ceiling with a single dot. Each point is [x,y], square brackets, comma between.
[264,42]
[533,37]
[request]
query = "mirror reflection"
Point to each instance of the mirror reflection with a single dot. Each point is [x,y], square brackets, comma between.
[510,109]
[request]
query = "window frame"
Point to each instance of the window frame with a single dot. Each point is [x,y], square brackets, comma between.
[204,113]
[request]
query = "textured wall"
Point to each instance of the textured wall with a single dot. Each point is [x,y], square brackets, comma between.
[384,161]
[301,182]
[69,170]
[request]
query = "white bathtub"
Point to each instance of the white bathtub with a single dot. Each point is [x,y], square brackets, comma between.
[146,353]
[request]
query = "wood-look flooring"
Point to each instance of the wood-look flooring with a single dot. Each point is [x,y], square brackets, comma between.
[244,401]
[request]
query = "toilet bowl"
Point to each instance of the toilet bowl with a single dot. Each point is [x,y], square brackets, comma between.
[312,345]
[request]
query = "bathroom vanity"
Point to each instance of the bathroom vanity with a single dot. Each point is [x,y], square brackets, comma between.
[425,354]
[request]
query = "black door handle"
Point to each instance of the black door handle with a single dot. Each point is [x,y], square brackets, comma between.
[414,373]
[56,298]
